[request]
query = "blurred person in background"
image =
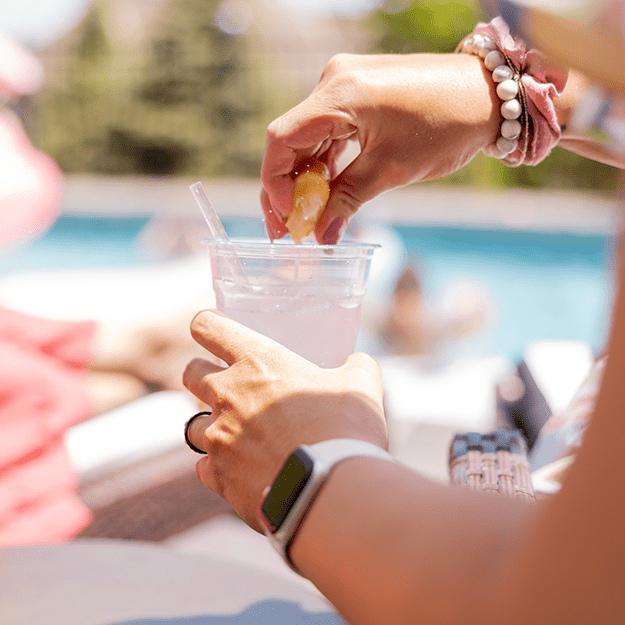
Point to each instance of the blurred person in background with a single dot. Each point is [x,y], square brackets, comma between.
[412,327]
[397,316]
[382,543]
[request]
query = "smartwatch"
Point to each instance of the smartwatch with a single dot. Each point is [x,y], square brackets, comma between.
[285,503]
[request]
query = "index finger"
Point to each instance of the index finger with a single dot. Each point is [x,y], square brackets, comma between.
[274,224]
[226,338]
[293,138]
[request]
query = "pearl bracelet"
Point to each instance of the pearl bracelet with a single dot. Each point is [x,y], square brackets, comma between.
[509,89]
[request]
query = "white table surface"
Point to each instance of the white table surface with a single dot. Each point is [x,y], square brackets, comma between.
[110,582]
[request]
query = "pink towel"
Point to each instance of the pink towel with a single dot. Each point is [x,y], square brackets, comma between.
[42,393]
[42,363]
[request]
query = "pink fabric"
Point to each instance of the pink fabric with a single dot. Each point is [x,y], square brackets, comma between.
[31,185]
[42,393]
[42,363]
[542,82]
[21,72]
[30,181]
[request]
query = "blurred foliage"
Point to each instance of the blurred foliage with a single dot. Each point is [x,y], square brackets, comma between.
[438,26]
[194,101]
[425,26]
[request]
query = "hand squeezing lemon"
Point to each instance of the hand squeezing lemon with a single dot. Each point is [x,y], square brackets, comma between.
[312,190]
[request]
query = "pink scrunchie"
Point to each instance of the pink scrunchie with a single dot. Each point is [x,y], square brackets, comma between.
[542,82]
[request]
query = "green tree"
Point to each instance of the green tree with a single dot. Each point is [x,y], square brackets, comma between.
[425,26]
[194,101]
[75,110]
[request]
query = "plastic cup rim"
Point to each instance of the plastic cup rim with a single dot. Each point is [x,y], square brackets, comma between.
[259,246]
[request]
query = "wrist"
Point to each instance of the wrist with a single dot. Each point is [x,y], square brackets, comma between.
[483,103]
[512,137]
[287,502]
[461,111]
[528,82]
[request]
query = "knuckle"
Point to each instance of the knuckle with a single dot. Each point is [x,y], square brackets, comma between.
[366,369]
[273,130]
[338,64]
[278,128]
[187,375]
[220,406]
[371,363]
[215,445]
[347,200]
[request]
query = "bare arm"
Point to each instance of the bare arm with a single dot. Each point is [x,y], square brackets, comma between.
[572,140]
[416,552]
[416,117]
[386,545]
[573,562]
[383,543]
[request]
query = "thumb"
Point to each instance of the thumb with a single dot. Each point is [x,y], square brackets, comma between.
[228,339]
[366,177]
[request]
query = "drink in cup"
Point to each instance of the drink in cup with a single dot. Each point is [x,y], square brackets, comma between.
[307,297]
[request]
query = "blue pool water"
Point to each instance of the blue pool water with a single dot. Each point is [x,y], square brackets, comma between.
[80,241]
[542,285]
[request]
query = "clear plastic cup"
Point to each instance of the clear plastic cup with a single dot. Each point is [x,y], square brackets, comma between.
[307,297]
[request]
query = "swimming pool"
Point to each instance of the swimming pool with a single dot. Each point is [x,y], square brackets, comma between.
[542,285]
[81,241]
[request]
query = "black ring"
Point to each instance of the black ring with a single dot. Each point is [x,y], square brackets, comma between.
[186,430]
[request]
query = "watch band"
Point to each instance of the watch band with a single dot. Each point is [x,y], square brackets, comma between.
[314,463]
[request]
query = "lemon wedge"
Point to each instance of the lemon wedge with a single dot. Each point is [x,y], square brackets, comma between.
[312,190]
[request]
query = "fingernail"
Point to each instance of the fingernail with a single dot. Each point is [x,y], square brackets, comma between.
[336,230]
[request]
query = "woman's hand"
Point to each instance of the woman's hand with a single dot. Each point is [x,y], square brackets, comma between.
[416,117]
[266,402]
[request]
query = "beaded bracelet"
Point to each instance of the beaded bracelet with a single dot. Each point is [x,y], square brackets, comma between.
[513,134]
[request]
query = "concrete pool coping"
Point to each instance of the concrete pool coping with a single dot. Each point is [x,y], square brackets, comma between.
[426,204]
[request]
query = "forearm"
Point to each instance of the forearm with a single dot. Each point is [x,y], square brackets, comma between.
[386,545]
[592,150]
[572,139]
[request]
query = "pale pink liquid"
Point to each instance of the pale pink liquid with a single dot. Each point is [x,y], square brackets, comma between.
[320,329]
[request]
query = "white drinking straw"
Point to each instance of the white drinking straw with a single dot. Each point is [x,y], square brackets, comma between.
[217,230]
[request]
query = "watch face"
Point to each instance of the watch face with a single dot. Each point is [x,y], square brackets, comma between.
[287,487]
